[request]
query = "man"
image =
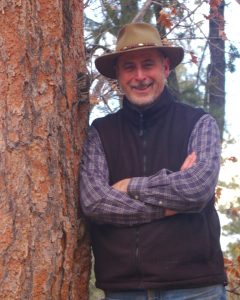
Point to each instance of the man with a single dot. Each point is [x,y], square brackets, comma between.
[148,178]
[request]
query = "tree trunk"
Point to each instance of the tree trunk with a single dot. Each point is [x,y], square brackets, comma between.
[44,250]
[172,79]
[217,66]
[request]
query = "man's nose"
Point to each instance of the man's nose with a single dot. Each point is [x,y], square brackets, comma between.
[139,73]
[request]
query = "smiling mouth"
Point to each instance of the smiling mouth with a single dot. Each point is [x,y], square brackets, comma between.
[142,87]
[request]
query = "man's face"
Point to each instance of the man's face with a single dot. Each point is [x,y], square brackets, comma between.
[142,75]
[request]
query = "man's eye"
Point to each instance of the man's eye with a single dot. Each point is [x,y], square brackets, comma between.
[148,65]
[128,67]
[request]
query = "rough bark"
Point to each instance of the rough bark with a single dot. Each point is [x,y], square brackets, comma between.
[44,250]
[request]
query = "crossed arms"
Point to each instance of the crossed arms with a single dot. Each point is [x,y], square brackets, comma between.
[144,199]
[122,185]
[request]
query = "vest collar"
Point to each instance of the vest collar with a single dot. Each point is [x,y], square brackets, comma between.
[149,114]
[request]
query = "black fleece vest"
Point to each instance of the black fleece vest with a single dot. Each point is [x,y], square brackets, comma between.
[175,252]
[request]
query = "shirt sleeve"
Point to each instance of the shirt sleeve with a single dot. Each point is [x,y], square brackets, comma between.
[99,201]
[189,190]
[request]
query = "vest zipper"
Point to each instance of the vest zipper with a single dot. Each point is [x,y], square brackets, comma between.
[137,250]
[142,135]
[141,124]
[144,161]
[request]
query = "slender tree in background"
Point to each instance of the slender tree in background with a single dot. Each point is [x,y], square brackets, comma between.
[217,67]
[44,250]
[161,26]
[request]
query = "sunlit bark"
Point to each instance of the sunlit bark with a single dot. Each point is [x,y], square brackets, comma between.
[44,252]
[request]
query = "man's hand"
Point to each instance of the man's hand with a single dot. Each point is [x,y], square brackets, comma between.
[189,161]
[122,185]
[169,212]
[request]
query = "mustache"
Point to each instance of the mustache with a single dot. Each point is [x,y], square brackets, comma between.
[142,84]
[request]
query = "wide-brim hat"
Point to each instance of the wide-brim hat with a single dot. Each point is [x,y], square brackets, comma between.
[135,37]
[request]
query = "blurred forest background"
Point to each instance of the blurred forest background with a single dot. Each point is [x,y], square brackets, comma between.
[211,57]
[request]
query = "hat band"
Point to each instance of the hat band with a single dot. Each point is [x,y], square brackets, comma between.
[137,46]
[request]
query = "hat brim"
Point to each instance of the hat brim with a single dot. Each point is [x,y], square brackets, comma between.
[105,64]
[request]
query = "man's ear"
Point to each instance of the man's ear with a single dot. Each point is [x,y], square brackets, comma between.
[166,66]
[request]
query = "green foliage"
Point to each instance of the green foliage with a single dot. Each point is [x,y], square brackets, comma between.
[191,95]
[233,54]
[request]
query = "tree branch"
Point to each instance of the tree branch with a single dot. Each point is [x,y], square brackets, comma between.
[139,16]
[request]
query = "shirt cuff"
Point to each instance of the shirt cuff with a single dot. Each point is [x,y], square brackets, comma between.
[152,189]
[137,185]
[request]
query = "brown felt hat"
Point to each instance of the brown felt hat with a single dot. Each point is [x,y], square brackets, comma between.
[134,37]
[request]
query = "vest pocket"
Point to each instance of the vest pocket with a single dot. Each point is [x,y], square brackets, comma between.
[179,243]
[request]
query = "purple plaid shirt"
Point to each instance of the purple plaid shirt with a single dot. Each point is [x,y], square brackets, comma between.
[183,191]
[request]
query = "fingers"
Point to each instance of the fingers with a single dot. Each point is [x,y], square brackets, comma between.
[121,185]
[189,161]
[169,212]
